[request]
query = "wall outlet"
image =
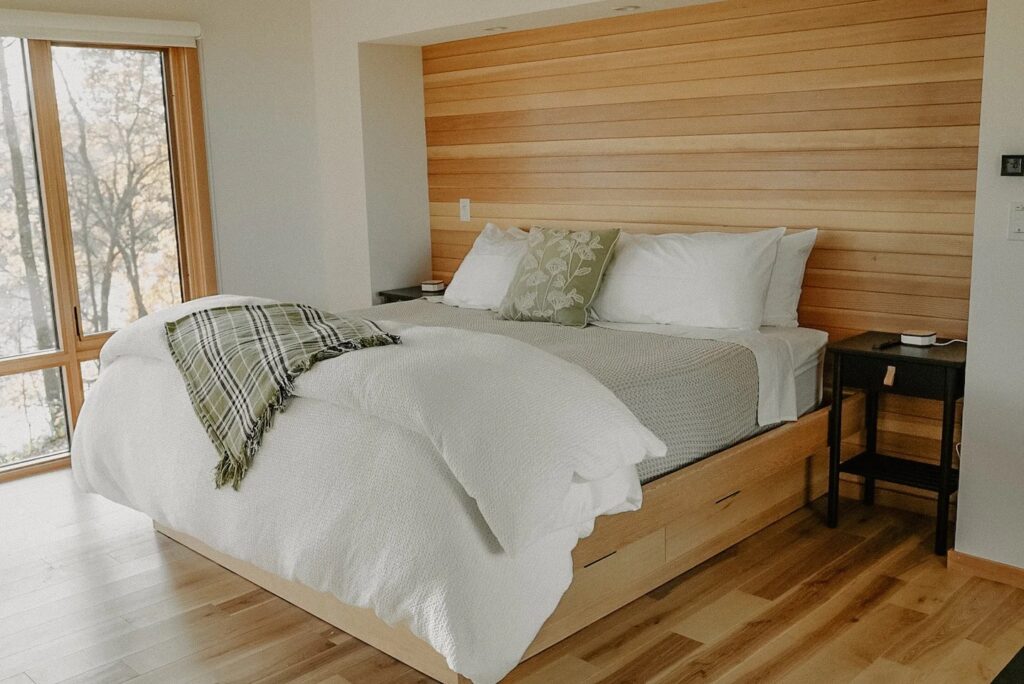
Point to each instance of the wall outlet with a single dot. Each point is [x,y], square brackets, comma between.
[1017,221]
[463,209]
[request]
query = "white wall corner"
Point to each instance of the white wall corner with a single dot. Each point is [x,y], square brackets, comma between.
[395,164]
[341,211]
[991,498]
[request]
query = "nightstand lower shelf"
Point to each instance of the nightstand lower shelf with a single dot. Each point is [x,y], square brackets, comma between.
[902,471]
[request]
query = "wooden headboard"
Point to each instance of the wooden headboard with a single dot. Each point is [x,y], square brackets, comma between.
[860,118]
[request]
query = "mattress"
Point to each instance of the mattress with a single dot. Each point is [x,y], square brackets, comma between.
[699,396]
[808,351]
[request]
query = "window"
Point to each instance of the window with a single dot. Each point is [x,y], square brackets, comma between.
[104,218]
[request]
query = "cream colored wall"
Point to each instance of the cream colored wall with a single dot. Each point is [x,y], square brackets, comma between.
[393,127]
[351,209]
[990,521]
[258,91]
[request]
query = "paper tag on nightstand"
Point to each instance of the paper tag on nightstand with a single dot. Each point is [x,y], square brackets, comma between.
[890,376]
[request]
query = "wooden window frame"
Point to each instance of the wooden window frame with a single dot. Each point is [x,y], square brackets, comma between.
[191,192]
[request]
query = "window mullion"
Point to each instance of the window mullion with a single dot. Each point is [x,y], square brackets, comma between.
[188,167]
[33,362]
[57,215]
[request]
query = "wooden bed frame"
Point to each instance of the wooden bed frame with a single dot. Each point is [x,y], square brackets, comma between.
[687,517]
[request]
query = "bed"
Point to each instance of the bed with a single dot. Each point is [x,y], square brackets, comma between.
[718,483]
[700,396]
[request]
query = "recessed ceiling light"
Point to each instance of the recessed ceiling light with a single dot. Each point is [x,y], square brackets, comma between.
[627,8]
[495,29]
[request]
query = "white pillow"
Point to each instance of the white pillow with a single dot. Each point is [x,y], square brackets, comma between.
[707,280]
[787,279]
[483,277]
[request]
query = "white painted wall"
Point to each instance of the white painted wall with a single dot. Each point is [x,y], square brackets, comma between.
[257,64]
[990,519]
[391,84]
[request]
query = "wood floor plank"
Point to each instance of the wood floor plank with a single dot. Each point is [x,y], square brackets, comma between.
[775,581]
[886,672]
[116,644]
[724,654]
[565,669]
[930,590]
[123,594]
[963,663]
[610,643]
[654,660]
[186,659]
[214,632]
[287,652]
[964,611]
[324,666]
[219,587]
[376,669]
[1005,646]
[116,672]
[860,647]
[715,619]
[797,602]
[817,637]
[20,678]
[1001,620]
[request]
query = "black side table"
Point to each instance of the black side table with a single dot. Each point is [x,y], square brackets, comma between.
[404,294]
[928,372]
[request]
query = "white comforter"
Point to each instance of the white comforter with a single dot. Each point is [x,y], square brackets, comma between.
[442,482]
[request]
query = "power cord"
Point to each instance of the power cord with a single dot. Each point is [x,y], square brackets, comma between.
[948,342]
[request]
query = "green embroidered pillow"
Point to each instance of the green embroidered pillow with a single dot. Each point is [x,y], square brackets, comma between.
[558,277]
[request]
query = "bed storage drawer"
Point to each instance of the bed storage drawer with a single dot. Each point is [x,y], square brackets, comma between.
[742,468]
[602,586]
[615,570]
[729,519]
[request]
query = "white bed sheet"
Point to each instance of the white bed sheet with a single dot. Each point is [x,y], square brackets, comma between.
[779,352]
[807,349]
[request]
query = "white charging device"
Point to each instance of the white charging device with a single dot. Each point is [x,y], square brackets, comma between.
[918,338]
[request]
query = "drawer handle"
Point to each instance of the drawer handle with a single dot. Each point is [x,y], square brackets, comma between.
[728,496]
[600,559]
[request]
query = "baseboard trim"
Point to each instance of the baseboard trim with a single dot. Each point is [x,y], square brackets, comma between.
[958,561]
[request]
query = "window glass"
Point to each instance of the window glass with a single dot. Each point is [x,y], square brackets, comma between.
[27,323]
[113,122]
[33,422]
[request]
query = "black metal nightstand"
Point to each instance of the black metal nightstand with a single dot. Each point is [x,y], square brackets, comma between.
[928,372]
[404,294]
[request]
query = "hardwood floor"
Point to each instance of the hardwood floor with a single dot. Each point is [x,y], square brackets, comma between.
[90,593]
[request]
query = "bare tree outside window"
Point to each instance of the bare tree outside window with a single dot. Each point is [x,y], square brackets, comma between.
[32,416]
[113,119]
[114,130]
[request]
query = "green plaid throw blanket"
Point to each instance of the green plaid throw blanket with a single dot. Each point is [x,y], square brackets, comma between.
[240,362]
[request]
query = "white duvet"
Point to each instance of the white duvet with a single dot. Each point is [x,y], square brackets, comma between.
[442,482]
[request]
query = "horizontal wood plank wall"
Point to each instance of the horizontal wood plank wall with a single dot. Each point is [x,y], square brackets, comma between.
[858,117]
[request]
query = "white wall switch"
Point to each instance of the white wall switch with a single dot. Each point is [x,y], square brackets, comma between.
[463,209]
[1017,221]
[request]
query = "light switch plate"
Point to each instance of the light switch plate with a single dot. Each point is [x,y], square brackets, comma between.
[1017,221]
[464,209]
